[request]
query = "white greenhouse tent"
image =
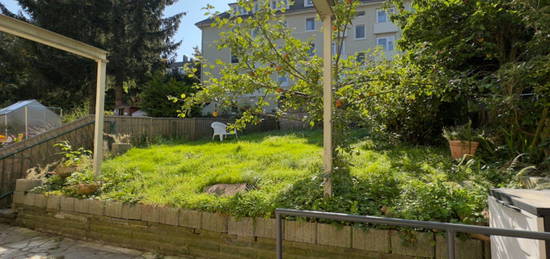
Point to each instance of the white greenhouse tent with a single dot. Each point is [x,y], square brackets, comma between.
[27,117]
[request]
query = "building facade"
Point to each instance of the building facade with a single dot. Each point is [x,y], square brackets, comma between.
[370,28]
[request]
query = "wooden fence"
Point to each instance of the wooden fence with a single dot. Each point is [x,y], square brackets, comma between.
[16,159]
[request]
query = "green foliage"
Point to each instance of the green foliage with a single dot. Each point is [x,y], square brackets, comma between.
[282,170]
[492,53]
[154,98]
[76,113]
[72,156]
[463,132]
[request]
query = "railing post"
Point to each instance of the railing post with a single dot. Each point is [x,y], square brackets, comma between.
[451,243]
[279,226]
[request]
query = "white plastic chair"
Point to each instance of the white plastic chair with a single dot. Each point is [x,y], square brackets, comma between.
[220,129]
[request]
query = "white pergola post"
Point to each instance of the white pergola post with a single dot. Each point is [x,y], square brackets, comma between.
[324,8]
[28,31]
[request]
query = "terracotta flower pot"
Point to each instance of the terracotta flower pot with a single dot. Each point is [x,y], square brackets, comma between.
[460,148]
[64,171]
[87,188]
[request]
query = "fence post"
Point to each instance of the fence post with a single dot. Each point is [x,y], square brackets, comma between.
[451,244]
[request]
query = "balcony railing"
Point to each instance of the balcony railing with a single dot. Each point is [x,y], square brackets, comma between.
[450,228]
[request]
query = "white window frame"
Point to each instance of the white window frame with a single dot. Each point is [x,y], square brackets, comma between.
[364,31]
[308,3]
[388,40]
[314,25]
[378,15]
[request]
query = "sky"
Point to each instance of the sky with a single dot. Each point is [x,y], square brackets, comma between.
[188,33]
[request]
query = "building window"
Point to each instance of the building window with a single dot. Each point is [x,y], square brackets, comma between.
[386,43]
[234,59]
[310,24]
[360,57]
[381,16]
[308,3]
[360,32]
[311,50]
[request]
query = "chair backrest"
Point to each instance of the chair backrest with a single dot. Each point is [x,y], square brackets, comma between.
[219,128]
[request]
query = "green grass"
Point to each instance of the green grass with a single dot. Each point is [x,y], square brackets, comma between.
[284,170]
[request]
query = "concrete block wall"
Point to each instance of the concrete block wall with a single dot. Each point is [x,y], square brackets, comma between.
[173,231]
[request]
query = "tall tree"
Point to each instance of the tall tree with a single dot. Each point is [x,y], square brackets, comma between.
[134,32]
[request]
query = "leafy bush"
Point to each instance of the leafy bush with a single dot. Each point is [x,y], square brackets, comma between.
[154,96]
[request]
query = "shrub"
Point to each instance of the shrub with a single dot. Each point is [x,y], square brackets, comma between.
[154,96]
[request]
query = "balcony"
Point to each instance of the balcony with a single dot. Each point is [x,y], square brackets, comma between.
[387,27]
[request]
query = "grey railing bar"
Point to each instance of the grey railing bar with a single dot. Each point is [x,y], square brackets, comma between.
[451,228]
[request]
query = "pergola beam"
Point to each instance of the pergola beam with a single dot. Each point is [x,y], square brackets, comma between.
[31,32]
[34,33]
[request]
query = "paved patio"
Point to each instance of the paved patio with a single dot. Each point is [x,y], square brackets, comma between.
[16,242]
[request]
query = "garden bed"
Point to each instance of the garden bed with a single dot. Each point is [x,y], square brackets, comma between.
[282,169]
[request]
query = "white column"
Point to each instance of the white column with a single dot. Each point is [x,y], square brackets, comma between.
[327,103]
[99,115]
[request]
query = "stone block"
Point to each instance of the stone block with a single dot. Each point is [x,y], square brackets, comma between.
[214,222]
[23,185]
[371,240]
[168,216]
[465,249]
[243,227]
[40,201]
[150,213]
[113,209]
[331,235]
[81,206]
[131,211]
[67,204]
[29,199]
[300,231]
[53,202]
[19,198]
[265,227]
[422,245]
[96,207]
[190,219]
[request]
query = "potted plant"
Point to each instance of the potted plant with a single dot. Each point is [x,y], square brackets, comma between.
[71,159]
[121,144]
[463,140]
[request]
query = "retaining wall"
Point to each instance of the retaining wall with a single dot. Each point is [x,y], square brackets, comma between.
[173,231]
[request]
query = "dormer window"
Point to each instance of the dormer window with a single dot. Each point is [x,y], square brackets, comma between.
[308,3]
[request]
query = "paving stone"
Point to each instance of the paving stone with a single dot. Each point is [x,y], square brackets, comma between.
[214,222]
[113,209]
[53,202]
[265,228]
[465,249]
[371,240]
[190,219]
[300,231]
[243,227]
[422,246]
[331,235]
[131,211]
[150,213]
[168,216]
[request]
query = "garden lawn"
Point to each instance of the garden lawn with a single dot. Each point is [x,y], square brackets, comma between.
[283,170]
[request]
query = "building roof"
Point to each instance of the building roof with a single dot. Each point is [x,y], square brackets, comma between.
[296,7]
[18,105]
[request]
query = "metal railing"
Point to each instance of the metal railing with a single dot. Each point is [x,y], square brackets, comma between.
[450,228]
